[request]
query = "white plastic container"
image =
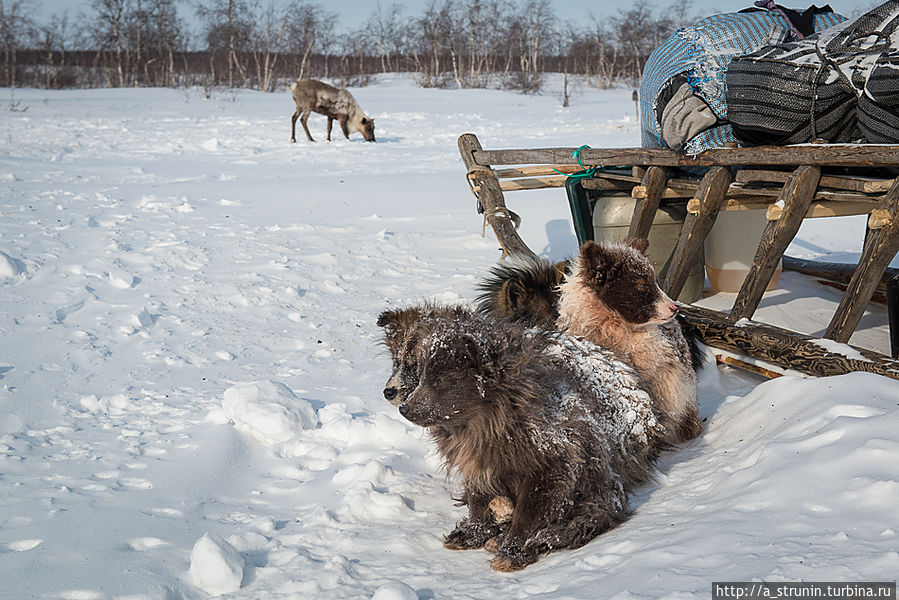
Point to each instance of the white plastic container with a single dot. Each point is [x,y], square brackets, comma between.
[730,249]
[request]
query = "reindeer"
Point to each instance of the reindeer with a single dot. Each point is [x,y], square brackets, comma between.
[335,103]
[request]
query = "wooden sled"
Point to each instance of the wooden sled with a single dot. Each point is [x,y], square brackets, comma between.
[787,181]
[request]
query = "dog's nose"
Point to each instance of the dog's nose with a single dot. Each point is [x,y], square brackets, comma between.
[673,308]
[390,393]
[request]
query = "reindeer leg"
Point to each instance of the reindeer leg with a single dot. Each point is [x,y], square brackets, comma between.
[343,126]
[303,120]
[293,126]
[330,123]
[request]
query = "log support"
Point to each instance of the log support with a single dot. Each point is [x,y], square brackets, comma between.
[880,247]
[796,197]
[711,197]
[645,208]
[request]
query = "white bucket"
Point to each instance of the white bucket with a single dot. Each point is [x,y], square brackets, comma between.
[731,246]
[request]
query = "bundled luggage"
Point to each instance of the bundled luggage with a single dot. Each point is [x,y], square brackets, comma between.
[683,100]
[841,85]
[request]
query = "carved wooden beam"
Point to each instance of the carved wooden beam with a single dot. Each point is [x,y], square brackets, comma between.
[784,348]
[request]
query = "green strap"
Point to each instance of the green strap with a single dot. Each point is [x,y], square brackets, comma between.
[586,171]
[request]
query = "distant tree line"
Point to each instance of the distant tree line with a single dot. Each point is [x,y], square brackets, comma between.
[265,44]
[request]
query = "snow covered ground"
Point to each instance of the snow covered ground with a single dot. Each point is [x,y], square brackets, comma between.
[190,379]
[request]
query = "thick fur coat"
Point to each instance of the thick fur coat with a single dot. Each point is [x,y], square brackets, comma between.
[612,298]
[546,427]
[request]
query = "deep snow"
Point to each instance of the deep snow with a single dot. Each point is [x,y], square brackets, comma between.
[190,380]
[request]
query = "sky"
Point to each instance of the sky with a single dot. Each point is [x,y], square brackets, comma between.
[355,12]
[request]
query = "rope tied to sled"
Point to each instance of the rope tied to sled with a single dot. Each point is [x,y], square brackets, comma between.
[585,171]
[473,172]
[499,211]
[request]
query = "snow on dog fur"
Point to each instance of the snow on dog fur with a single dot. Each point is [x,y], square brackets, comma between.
[612,298]
[552,427]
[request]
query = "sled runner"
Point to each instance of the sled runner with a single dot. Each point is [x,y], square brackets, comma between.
[790,183]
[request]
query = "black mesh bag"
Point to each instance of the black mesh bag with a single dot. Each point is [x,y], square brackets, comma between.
[810,89]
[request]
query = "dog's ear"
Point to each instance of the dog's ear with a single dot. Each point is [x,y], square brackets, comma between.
[561,269]
[638,244]
[594,263]
[396,322]
[469,351]
[511,297]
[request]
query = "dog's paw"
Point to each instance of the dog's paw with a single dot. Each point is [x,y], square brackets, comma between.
[507,564]
[469,536]
[492,545]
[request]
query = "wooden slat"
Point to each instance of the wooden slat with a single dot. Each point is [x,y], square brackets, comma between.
[536,183]
[796,198]
[748,203]
[605,183]
[782,347]
[536,170]
[533,183]
[696,228]
[879,249]
[491,198]
[645,208]
[825,209]
[867,185]
[683,189]
[839,155]
[675,188]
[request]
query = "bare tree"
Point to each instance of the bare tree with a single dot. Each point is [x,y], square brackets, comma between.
[308,25]
[434,39]
[269,29]
[228,29]
[387,33]
[16,28]
[531,29]
[53,38]
[107,31]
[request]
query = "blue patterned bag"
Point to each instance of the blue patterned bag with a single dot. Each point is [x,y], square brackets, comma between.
[683,84]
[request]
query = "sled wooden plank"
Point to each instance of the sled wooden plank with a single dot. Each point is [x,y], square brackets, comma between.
[645,208]
[675,188]
[747,203]
[605,183]
[825,209]
[868,185]
[533,183]
[536,171]
[696,228]
[796,197]
[838,155]
[491,198]
[782,347]
[879,249]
